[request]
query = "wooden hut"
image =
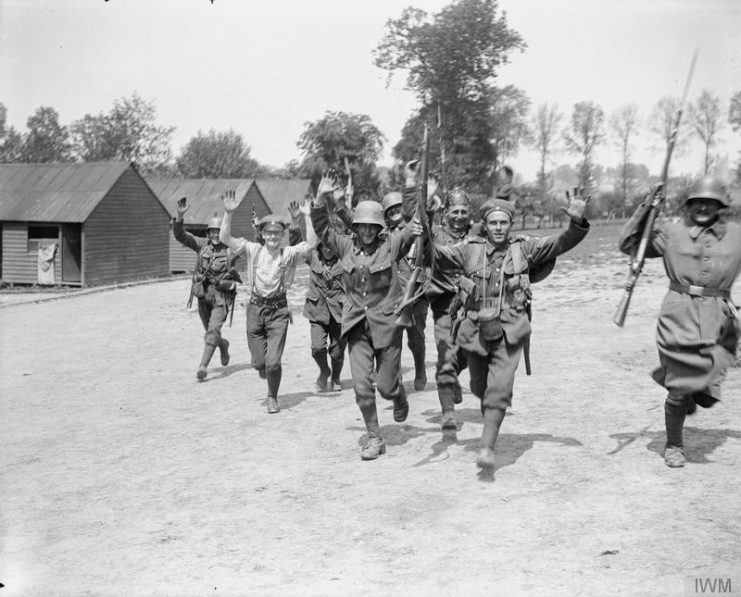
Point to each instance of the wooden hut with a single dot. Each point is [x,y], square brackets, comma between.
[80,224]
[204,198]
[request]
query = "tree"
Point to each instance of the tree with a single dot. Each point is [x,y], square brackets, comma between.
[337,136]
[218,154]
[734,118]
[624,124]
[129,132]
[661,124]
[11,141]
[508,109]
[586,132]
[451,60]
[46,139]
[544,125]
[705,117]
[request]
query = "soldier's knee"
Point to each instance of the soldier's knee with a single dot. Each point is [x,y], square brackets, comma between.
[675,401]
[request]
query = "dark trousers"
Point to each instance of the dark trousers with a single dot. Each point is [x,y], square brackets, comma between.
[493,376]
[450,359]
[267,328]
[213,318]
[416,333]
[331,332]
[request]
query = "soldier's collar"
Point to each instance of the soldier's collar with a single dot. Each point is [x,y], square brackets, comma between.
[718,228]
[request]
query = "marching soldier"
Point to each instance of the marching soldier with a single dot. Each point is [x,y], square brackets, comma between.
[271,271]
[698,328]
[392,208]
[369,259]
[214,284]
[495,294]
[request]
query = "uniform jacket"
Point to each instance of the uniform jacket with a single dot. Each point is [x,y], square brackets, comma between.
[325,295]
[488,268]
[709,257]
[372,290]
[212,264]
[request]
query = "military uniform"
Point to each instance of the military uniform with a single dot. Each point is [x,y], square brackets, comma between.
[697,331]
[498,278]
[372,294]
[323,308]
[214,287]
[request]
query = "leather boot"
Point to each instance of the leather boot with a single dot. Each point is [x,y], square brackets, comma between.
[208,352]
[401,405]
[224,351]
[336,372]
[446,394]
[320,357]
[375,445]
[420,373]
[674,415]
[273,406]
[274,374]
[492,422]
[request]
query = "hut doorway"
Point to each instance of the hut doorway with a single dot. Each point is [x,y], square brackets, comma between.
[71,254]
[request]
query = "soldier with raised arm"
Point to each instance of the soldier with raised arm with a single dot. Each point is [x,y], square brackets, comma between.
[214,284]
[271,271]
[369,259]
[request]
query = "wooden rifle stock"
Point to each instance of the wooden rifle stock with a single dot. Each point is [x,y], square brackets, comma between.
[639,258]
[411,290]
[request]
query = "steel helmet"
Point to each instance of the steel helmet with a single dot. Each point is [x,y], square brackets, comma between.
[369,212]
[709,187]
[457,196]
[391,199]
[214,222]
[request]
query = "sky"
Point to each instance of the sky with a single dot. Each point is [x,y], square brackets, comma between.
[266,67]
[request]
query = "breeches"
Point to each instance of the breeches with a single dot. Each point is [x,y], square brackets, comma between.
[266,335]
[493,376]
[362,356]
[332,332]
[450,359]
[212,318]
[416,333]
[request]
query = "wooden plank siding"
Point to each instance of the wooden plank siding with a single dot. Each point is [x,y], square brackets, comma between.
[18,265]
[126,235]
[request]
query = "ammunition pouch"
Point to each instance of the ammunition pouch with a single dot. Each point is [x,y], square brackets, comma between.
[490,325]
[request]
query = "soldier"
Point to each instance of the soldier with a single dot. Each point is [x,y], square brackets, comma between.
[495,293]
[369,259]
[214,284]
[392,208]
[698,328]
[270,270]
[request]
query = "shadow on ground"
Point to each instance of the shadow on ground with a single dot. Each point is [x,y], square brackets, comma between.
[698,443]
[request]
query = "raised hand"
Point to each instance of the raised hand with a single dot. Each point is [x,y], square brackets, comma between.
[294,210]
[182,206]
[577,204]
[410,171]
[230,200]
[327,184]
[305,206]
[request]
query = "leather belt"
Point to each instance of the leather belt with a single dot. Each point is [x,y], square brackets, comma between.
[699,290]
[277,302]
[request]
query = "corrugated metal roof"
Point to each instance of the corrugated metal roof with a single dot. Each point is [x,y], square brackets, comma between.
[204,195]
[55,192]
[279,192]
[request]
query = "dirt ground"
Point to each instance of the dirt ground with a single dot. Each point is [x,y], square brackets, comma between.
[122,475]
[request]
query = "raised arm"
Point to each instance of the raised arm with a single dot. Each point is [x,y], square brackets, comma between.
[632,231]
[320,218]
[231,203]
[178,228]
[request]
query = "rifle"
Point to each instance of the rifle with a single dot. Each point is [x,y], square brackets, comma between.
[193,280]
[659,196]
[442,147]
[411,292]
[349,193]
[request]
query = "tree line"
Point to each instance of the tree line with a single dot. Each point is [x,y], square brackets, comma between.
[450,60]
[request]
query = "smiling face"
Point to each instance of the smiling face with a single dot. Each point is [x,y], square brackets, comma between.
[393,215]
[458,217]
[367,234]
[213,235]
[703,212]
[497,228]
[272,236]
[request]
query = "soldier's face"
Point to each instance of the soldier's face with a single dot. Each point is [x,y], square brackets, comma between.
[393,215]
[327,252]
[213,235]
[368,234]
[458,217]
[703,211]
[497,228]
[272,238]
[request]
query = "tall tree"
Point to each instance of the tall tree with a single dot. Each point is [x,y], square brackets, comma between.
[544,125]
[624,126]
[661,124]
[705,117]
[509,108]
[11,141]
[587,131]
[46,139]
[218,154]
[128,132]
[734,118]
[451,60]
[327,142]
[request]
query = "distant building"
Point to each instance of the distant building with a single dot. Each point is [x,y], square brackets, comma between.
[280,192]
[80,224]
[204,198]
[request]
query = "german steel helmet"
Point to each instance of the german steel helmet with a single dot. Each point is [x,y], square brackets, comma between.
[369,212]
[391,199]
[710,187]
[214,222]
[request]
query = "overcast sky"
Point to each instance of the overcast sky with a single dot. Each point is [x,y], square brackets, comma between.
[264,68]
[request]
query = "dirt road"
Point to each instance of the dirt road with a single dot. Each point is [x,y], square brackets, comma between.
[121,475]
